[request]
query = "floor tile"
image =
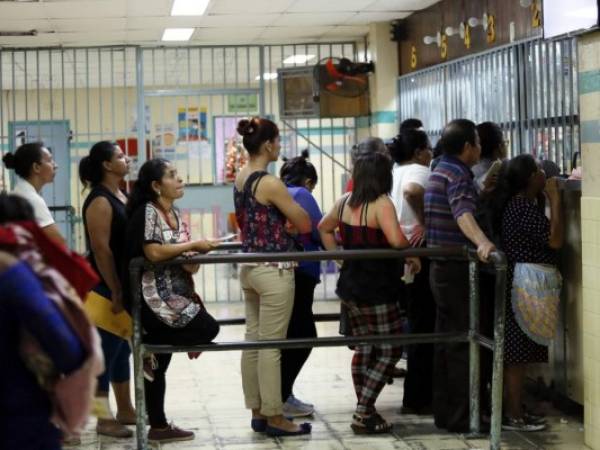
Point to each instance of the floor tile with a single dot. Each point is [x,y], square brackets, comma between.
[205,395]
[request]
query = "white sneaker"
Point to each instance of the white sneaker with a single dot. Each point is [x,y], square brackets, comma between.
[297,408]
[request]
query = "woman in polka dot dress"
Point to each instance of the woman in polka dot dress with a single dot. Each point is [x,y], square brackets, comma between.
[527,236]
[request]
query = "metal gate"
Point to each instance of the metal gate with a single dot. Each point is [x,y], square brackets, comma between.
[529,88]
[183,103]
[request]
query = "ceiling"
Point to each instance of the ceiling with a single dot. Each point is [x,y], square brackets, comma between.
[141,22]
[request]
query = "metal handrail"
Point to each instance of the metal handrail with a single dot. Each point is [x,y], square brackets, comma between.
[473,337]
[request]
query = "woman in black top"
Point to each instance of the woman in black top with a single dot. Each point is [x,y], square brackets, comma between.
[105,222]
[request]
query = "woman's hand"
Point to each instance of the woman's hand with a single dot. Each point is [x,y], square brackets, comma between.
[414,264]
[490,183]
[203,246]
[418,237]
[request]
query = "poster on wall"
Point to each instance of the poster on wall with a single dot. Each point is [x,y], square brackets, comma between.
[192,124]
[242,103]
[165,140]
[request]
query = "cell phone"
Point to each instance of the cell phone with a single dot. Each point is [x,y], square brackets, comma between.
[227,237]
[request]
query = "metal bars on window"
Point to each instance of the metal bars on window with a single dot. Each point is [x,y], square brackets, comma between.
[529,89]
[194,97]
[88,90]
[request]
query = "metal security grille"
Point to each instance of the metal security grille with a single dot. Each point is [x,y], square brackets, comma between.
[184,104]
[530,89]
[68,98]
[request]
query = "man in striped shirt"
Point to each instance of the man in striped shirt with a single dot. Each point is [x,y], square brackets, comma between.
[450,203]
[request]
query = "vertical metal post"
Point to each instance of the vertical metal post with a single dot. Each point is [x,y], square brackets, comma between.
[474,349]
[141,109]
[138,359]
[4,186]
[497,377]
[261,93]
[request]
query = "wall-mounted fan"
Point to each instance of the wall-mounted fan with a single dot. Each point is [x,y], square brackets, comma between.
[342,77]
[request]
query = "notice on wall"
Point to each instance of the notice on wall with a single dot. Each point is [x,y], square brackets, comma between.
[165,140]
[192,124]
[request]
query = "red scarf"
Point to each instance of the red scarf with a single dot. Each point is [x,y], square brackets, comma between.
[73,267]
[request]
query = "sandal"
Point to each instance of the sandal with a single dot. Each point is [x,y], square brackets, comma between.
[373,424]
[113,428]
[126,419]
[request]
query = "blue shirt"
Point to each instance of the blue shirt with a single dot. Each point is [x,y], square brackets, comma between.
[450,193]
[310,241]
[24,406]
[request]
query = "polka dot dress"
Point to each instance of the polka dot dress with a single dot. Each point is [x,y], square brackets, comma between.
[525,235]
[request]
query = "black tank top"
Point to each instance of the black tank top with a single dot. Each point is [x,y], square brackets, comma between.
[118,227]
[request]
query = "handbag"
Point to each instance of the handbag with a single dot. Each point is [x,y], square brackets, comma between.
[535,297]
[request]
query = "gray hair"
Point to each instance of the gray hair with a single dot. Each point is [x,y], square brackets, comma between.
[368,145]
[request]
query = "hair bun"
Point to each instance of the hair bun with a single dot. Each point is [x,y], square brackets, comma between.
[9,160]
[247,127]
[305,153]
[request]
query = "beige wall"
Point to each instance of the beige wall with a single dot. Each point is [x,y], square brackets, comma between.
[589,65]
[383,82]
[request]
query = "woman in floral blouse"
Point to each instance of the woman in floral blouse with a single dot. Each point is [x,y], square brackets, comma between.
[172,312]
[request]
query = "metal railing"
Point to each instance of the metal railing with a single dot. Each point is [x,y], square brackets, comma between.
[471,336]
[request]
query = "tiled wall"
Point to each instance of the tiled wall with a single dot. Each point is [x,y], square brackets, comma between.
[589,85]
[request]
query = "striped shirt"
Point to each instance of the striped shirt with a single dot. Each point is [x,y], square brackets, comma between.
[450,193]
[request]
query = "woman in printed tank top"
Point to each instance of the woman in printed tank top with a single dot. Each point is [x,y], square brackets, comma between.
[263,206]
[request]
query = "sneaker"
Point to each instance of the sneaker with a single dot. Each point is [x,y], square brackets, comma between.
[170,434]
[297,408]
[532,417]
[510,424]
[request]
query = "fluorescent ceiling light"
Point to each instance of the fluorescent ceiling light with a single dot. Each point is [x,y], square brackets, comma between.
[189,7]
[177,34]
[298,59]
[267,76]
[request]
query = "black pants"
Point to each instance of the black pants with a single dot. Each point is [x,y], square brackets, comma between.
[201,330]
[302,325]
[450,287]
[421,311]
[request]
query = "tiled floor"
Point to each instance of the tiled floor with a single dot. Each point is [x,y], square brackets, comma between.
[206,395]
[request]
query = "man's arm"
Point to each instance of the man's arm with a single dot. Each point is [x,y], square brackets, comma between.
[468,225]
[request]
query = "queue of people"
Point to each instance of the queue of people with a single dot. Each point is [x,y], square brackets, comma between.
[399,197]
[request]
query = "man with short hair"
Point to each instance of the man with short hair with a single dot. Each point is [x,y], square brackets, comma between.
[450,203]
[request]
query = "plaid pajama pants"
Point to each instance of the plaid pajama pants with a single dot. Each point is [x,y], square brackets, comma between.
[373,364]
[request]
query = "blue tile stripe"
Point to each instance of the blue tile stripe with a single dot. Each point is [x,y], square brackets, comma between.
[590,132]
[589,82]
[385,117]
[377,117]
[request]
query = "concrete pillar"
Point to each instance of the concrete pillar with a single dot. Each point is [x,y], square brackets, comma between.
[589,87]
[383,88]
